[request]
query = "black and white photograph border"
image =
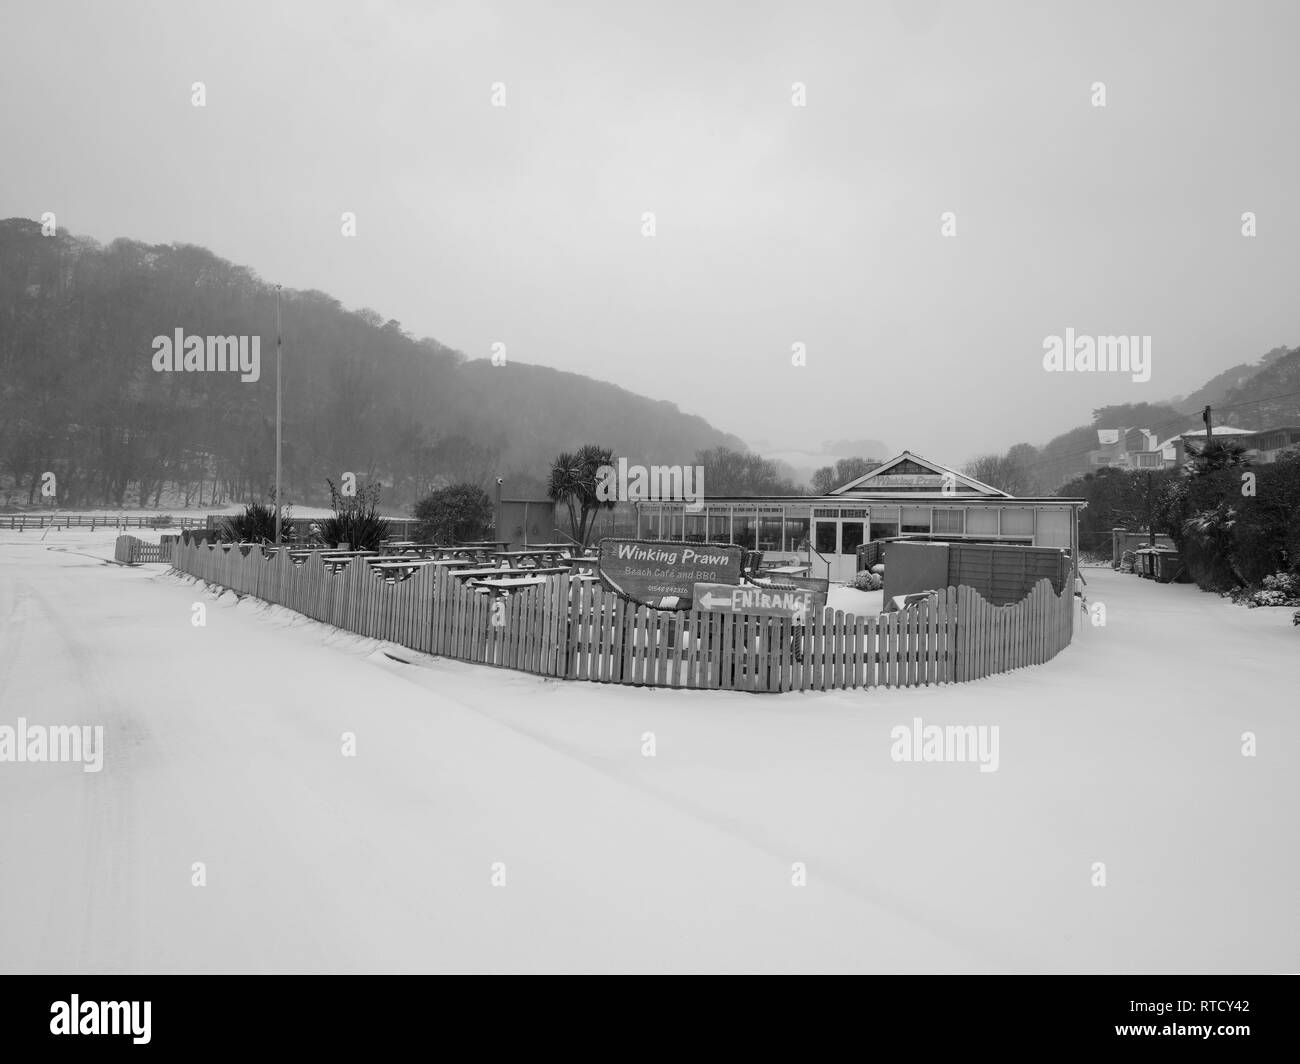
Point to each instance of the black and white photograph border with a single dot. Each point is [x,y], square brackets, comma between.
[591,488]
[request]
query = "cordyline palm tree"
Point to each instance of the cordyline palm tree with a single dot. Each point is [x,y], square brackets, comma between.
[573,481]
[1216,454]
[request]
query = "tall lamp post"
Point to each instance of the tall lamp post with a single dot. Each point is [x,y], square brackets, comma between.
[277,415]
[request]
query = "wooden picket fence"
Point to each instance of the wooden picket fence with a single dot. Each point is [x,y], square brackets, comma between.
[579,631]
[132,551]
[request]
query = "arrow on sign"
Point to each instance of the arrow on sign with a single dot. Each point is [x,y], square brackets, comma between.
[755,601]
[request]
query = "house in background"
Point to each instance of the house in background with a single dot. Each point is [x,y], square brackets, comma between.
[1262,445]
[1126,449]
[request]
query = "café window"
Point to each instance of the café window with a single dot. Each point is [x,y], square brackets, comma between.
[743,529]
[981,521]
[949,522]
[719,527]
[825,540]
[769,532]
[695,526]
[650,522]
[1018,521]
[852,535]
[796,531]
[884,522]
[916,520]
[673,524]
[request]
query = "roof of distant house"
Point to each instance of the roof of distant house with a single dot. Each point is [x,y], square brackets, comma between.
[1219,430]
[1167,446]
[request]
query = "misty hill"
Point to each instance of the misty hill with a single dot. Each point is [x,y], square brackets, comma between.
[80,395]
[1269,398]
[871,449]
[527,400]
[1214,390]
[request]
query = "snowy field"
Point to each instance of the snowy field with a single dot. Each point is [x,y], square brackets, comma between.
[223,746]
[176,513]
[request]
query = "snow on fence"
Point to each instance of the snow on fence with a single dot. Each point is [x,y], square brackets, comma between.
[132,551]
[579,631]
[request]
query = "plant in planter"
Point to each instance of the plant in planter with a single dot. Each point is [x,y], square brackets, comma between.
[356,519]
[255,525]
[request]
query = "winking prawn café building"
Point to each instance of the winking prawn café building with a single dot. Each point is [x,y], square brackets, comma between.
[908,497]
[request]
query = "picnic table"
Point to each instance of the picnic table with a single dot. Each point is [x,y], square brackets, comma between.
[335,561]
[394,571]
[388,566]
[566,550]
[519,559]
[505,574]
[334,551]
[438,550]
[480,552]
[789,570]
[397,569]
[419,559]
[507,585]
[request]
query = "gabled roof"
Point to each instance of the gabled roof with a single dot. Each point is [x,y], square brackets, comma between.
[880,480]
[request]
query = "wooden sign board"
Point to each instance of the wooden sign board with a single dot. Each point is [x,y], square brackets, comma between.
[663,574]
[792,602]
[888,480]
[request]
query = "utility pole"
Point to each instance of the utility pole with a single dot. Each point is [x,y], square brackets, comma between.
[1151,524]
[497,516]
[277,415]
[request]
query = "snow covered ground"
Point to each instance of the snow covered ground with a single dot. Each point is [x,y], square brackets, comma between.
[223,745]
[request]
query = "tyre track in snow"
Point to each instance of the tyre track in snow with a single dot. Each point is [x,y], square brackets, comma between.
[107,877]
[933,937]
[974,948]
[104,810]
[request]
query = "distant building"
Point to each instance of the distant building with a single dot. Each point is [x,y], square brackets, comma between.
[907,497]
[1269,444]
[1137,449]
[1261,445]
[1126,449]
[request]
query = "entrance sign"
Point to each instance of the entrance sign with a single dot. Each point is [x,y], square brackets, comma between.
[755,601]
[663,574]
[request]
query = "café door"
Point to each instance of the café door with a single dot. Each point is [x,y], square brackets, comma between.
[837,540]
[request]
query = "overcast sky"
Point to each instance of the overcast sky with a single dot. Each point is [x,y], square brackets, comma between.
[775,224]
